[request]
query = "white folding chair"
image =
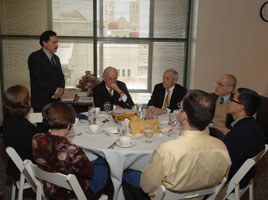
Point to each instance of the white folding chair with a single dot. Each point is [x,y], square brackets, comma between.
[21,184]
[36,176]
[234,183]
[35,118]
[164,194]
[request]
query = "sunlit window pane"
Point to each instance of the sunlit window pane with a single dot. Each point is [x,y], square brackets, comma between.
[76,58]
[72,18]
[126,18]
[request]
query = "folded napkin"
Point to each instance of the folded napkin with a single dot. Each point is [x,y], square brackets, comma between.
[81,116]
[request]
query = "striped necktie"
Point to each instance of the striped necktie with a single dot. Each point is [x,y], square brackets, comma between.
[167,99]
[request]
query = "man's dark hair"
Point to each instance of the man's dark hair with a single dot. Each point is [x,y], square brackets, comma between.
[45,36]
[199,107]
[250,99]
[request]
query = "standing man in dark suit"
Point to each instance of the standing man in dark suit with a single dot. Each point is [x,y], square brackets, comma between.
[46,76]
[112,90]
[245,139]
[166,95]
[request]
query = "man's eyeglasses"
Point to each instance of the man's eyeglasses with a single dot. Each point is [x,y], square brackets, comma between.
[231,99]
[220,84]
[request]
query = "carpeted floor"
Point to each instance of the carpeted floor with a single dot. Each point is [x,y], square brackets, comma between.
[260,181]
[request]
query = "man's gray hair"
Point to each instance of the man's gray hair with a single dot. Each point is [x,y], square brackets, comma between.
[109,69]
[174,73]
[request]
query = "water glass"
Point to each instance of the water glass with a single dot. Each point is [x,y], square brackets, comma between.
[107,106]
[92,116]
[148,132]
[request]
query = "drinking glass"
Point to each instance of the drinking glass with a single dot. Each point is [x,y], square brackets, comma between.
[107,106]
[148,132]
[91,116]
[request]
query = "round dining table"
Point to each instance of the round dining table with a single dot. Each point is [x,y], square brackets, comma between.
[119,159]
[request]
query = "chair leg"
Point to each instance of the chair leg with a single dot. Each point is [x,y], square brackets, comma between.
[21,187]
[251,192]
[13,191]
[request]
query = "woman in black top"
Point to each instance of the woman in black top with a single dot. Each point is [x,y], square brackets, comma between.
[17,130]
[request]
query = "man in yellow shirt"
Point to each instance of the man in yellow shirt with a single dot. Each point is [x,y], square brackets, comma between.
[193,161]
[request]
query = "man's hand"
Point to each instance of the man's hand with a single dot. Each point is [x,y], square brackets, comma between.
[58,94]
[117,89]
[155,111]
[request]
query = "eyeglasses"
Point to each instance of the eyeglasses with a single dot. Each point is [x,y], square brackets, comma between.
[231,99]
[220,84]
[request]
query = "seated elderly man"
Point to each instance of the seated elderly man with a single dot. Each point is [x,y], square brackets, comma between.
[112,90]
[166,95]
[245,139]
[193,161]
[224,89]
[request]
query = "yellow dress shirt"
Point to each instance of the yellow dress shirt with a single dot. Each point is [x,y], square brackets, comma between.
[193,161]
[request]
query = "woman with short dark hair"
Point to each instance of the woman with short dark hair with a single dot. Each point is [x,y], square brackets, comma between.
[54,153]
[17,130]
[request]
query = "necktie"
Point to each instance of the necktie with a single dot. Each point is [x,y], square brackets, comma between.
[53,61]
[110,91]
[167,99]
[221,100]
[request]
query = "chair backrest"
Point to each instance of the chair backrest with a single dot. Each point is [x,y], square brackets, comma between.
[15,158]
[164,194]
[38,175]
[234,183]
[35,117]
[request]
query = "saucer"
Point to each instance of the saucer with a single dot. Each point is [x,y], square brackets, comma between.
[132,144]
[135,136]
[111,131]
[167,130]
[164,123]
[90,132]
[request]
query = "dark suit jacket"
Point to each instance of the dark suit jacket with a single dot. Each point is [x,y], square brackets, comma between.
[158,96]
[245,140]
[101,95]
[45,78]
[18,133]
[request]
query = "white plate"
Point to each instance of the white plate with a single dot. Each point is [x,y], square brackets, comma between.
[83,120]
[167,130]
[111,131]
[90,132]
[102,115]
[135,136]
[77,123]
[166,123]
[132,144]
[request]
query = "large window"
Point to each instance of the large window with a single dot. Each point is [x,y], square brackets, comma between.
[141,38]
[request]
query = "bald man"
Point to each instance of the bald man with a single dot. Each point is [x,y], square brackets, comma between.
[112,90]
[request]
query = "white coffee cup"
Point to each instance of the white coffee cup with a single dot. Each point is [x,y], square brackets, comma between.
[95,128]
[125,140]
[97,110]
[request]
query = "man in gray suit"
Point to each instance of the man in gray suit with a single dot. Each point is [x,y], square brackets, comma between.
[46,76]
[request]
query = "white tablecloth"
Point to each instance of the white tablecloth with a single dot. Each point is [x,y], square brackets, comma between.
[119,159]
